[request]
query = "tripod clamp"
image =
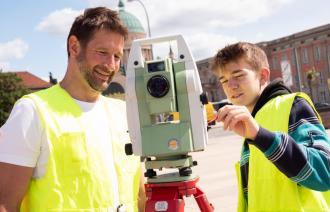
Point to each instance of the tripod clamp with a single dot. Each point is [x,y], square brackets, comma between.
[169,196]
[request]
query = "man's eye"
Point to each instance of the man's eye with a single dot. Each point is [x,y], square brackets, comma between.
[223,81]
[100,52]
[117,57]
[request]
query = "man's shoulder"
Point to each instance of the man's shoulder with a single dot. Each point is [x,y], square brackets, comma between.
[24,104]
[23,114]
[46,91]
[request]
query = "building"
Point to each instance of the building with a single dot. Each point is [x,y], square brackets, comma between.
[209,80]
[135,31]
[301,59]
[32,82]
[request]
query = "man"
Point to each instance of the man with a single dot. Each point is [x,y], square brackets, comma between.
[63,148]
[285,160]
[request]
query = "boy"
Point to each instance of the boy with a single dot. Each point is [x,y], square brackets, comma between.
[285,160]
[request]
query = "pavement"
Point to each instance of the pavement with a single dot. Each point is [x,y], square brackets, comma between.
[216,170]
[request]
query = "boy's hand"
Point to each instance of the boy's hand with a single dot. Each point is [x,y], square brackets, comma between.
[238,119]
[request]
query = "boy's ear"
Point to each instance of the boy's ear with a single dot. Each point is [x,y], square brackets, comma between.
[264,75]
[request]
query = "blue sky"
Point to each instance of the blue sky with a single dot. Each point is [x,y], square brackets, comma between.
[33,33]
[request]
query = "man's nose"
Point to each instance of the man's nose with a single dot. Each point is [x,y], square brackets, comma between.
[110,62]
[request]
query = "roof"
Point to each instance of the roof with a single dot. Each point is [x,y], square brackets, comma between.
[130,21]
[31,81]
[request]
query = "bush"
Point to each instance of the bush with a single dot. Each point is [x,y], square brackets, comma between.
[11,89]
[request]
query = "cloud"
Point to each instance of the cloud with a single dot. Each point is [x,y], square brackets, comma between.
[202,22]
[58,22]
[4,66]
[200,44]
[95,3]
[15,49]
[192,15]
[184,15]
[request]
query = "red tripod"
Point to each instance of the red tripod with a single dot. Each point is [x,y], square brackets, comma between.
[169,196]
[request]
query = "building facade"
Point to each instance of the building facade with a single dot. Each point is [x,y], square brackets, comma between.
[209,80]
[301,59]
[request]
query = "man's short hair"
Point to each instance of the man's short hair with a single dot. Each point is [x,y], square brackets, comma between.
[252,54]
[93,20]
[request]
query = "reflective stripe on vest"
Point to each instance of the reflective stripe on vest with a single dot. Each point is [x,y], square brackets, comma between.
[268,188]
[75,178]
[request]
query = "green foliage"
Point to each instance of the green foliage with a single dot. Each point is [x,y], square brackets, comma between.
[11,89]
[312,74]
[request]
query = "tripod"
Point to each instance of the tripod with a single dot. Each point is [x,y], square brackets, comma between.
[169,196]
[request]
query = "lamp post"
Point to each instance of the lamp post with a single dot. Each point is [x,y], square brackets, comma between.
[145,10]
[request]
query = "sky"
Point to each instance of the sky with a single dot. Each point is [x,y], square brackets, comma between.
[33,33]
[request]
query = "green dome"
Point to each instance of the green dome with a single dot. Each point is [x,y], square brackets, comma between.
[131,22]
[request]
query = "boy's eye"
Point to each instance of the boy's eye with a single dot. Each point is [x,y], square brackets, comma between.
[240,75]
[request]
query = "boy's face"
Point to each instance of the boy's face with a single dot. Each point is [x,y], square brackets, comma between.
[241,83]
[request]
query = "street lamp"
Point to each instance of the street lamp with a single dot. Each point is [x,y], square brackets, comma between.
[145,10]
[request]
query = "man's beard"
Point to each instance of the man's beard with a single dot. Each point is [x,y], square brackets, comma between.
[87,72]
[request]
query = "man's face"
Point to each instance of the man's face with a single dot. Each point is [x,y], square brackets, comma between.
[241,83]
[100,59]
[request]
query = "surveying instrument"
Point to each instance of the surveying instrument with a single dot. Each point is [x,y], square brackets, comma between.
[166,121]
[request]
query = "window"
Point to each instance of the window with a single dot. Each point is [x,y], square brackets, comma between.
[210,80]
[275,62]
[305,55]
[284,57]
[321,78]
[328,59]
[293,58]
[317,53]
[323,98]
[213,95]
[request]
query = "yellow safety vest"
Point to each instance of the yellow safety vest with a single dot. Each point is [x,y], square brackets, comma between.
[268,188]
[76,177]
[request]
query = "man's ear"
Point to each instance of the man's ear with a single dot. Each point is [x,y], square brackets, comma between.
[74,45]
[264,75]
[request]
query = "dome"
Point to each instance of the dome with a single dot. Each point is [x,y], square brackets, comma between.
[131,22]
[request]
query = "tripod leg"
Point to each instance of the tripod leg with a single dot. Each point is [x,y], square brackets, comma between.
[202,201]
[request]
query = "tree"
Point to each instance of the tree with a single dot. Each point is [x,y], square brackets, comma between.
[11,89]
[312,75]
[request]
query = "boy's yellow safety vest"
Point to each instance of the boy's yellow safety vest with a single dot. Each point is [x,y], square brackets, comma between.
[76,177]
[268,188]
